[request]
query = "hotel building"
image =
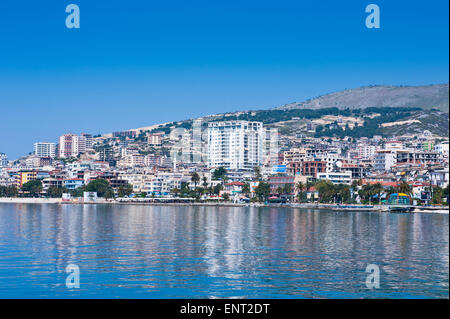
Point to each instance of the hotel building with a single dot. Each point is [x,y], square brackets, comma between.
[44,149]
[235,145]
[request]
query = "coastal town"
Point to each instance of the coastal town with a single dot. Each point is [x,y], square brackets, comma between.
[232,161]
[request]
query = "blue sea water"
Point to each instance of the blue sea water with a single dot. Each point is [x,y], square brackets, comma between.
[144,251]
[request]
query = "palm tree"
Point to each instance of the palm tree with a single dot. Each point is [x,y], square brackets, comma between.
[287,190]
[195,178]
[280,190]
[246,189]
[404,188]
[205,181]
[300,188]
[176,191]
[378,189]
[257,171]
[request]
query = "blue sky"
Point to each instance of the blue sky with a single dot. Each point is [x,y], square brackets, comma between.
[136,63]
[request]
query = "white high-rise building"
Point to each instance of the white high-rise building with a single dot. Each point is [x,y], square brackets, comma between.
[271,147]
[68,146]
[3,160]
[366,151]
[384,160]
[86,142]
[235,144]
[45,149]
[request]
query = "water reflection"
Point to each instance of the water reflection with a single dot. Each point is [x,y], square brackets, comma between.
[202,252]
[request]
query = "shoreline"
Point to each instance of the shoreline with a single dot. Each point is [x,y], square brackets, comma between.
[349,208]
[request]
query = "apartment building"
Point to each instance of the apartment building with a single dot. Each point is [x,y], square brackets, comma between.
[366,151]
[442,148]
[68,146]
[384,160]
[294,155]
[86,142]
[336,177]
[235,144]
[154,139]
[271,146]
[3,160]
[312,168]
[419,157]
[45,149]
[24,177]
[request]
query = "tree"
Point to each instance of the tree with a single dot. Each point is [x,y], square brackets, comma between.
[438,193]
[54,191]
[175,191]
[125,190]
[287,189]
[326,191]
[78,192]
[101,186]
[217,189]
[226,196]
[195,178]
[300,187]
[184,189]
[404,188]
[205,181]
[109,193]
[257,171]
[246,189]
[219,173]
[378,189]
[8,191]
[262,191]
[343,194]
[446,193]
[280,190]
[34,188]
[356,183]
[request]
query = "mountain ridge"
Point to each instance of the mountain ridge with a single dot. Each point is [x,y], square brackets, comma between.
[433,96]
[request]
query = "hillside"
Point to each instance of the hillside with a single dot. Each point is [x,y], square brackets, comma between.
[433,121]
[385,121]
[368,111]
[426,97]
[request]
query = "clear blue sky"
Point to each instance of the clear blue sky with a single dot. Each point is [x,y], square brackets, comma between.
[136,63]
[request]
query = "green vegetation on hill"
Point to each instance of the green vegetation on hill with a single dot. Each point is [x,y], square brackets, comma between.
[371,126]
[433,120]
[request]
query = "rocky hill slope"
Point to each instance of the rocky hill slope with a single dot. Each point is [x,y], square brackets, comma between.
[426,97]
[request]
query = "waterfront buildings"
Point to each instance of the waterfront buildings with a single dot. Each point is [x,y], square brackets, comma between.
[151,162]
